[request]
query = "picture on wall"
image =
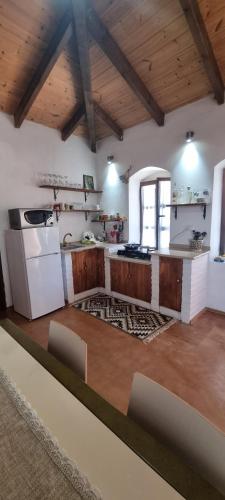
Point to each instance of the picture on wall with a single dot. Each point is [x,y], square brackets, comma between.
[88,182]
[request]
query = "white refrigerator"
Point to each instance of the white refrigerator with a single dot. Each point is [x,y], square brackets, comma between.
[35,270]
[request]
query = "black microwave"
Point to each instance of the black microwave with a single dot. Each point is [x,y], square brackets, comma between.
[23,218]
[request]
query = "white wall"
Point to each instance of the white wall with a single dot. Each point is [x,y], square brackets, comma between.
[164,147]
[24,153]
[147,144]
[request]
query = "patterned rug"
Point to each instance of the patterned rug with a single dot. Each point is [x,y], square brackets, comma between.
[140,322]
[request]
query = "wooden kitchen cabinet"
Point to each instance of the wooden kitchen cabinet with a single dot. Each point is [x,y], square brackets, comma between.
[170,283]
[131,279]
[88,269]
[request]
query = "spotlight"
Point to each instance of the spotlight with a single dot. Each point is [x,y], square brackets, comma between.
[189,136]
[110,159]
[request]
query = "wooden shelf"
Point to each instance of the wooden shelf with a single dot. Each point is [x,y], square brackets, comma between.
[111,220]
[56,189]
[176,205]
[82,210]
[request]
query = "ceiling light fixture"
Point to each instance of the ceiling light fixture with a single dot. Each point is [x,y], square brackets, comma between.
[189,136]
[110,159]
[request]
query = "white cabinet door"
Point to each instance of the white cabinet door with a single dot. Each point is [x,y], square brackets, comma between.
[40,241]
[45,284]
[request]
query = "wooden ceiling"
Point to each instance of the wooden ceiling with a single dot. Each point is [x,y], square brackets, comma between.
[155,37]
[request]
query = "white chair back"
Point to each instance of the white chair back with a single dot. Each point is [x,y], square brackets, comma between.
[68,348]
[180,426]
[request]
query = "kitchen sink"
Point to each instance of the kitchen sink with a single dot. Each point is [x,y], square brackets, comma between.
[70,246]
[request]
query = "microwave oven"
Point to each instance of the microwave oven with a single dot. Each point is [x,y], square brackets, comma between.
[22,218]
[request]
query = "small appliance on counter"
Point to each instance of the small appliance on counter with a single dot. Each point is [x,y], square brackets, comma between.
[136,251]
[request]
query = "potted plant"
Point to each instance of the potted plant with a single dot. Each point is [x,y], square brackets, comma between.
[196,242]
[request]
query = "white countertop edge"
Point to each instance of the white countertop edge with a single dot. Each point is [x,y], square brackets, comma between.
[180,254]
[110,247]
[127,259]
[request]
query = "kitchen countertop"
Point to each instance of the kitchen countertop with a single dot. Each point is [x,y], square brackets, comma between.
[127,259]
[110,247]
[111,252]
[179,254]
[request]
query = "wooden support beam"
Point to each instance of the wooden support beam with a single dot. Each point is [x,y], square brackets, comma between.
[60,38]
[81,35]
[109,121]
[110,47]
[71,125]
[201,38]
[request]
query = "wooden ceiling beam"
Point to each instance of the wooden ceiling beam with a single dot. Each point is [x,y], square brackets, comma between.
[110,47]
[74,121]
[109,121]
[60,38]
[81,36]
[196,24]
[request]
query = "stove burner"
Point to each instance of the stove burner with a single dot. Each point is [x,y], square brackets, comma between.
[136,253]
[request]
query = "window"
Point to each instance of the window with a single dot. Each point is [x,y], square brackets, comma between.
[155,215]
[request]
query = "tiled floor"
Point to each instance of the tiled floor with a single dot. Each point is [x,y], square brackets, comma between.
[188,360]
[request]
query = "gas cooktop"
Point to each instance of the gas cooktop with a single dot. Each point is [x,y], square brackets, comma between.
[135,251]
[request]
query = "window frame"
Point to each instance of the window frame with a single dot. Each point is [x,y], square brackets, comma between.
[149,183]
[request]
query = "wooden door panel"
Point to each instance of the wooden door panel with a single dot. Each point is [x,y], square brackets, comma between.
[119,271]
[100,268]
[79,271]
[91,268]
[131,279]
[140,281]
[88,269]
[170,283]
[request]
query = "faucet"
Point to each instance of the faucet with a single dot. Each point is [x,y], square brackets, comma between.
[64,239]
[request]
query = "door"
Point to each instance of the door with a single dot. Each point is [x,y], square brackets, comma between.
[79,271]
[140,281]
[170,283]
[131,279]
[88,269]
[119,272]
[40,241]
[45,284]
[149,235]
[91,268]
[155,215]
[101,267]
[2,290]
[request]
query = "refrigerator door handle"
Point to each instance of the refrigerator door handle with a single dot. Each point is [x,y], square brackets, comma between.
[42,255]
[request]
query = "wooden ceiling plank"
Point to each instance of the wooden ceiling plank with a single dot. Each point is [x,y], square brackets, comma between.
[73,123]
[109,121]
[57,43]
[110,47]
[81,36]
[196,24]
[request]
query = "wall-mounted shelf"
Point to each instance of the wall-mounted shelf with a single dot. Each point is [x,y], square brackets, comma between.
[110,220]
[83,210]
[56,190]
[176,205]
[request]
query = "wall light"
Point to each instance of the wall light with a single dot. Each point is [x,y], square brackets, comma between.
[110,159]
[189,136]
[190,157]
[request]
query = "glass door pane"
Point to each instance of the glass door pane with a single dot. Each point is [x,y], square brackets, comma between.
[148,207]
[164,213]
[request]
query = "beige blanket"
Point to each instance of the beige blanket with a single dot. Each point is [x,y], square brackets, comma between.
[31,464]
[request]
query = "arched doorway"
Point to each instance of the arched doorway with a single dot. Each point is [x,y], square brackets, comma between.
[149,217]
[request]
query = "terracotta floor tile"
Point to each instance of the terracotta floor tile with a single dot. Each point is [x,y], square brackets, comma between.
[187,359]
